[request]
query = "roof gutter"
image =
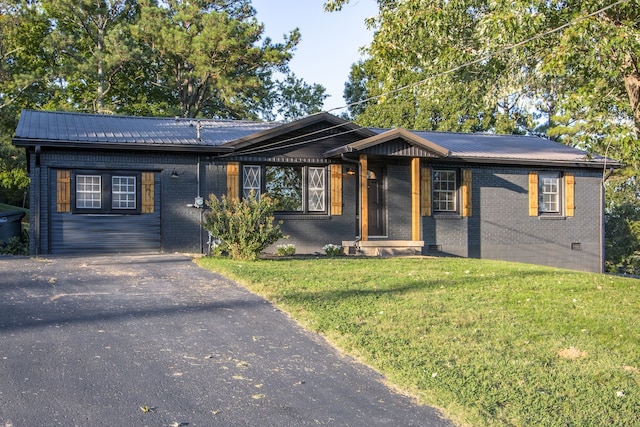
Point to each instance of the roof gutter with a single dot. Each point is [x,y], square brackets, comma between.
[20,142]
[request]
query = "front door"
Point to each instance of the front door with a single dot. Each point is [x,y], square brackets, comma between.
[375,188]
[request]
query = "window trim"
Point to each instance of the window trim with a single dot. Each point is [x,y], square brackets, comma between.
[88,181]
[106,199]
[125,192]
[559,194]
[455,192]
[305,186]
[246,190]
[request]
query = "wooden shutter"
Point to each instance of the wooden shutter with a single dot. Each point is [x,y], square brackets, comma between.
[415,199]
[466,192]
[425,191]
[533,194]
[233,180]
[569,184]
[148,196]
[64,191]
[336,189]
[364,198]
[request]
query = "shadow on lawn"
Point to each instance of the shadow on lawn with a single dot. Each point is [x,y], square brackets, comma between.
[369,288]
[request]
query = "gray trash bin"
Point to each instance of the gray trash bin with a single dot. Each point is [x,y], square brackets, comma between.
[10,225]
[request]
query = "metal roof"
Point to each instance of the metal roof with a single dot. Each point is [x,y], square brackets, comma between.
[126,132]
[491,148]
[112,129]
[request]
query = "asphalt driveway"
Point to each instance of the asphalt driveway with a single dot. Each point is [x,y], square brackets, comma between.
[158,341]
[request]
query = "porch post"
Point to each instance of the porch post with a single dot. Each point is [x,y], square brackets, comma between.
[364,199]
[415,199]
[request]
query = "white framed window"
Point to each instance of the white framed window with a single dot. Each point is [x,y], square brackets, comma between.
[298,189]
[105,192]
[251,180]
[88,191]
[316,191]
[549,192]
[123,192]
[445,188]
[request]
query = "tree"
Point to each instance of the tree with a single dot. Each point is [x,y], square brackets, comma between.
[208,57]
[24,70]
[566,69]
[140,57]
[294,98]
[93,44]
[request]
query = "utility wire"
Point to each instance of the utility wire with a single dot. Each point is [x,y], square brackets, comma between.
[418,83]
[481,59]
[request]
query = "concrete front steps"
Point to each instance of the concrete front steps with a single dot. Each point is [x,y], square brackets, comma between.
[383,247]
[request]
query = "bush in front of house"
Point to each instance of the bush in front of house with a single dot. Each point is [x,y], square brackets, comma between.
[286,250]
[332,250]
[245,227]
[16,245]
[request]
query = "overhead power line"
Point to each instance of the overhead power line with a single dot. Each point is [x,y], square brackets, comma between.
[418,83]
[482,58]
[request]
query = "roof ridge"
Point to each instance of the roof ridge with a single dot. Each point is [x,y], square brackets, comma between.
[444,132]
[128,116]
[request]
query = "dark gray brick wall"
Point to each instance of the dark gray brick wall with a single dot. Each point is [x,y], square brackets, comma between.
[501,227]
[180,225]
[310,234]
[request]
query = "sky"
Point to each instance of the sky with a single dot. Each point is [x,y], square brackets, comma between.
[329,44]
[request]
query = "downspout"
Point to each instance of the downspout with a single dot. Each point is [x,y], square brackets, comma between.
[605,177]
[198,196]
[36,209]
[358,217]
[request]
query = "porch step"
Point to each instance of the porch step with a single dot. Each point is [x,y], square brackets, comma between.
[383,247]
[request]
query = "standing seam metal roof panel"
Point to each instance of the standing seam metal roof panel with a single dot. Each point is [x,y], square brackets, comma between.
[78,127]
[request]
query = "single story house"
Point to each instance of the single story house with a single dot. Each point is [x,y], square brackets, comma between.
[116,184]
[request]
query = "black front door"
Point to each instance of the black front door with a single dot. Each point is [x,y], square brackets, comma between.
[375,188]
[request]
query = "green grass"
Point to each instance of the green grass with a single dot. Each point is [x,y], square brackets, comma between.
[490,343]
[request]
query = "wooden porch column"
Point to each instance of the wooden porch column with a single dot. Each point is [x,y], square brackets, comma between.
[364,199]
[416,218]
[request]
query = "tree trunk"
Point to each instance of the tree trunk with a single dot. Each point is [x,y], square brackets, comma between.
[632,85]
[100,72]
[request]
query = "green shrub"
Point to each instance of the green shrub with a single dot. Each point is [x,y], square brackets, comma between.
[286,250]
[332,250]
[16,245]
[244,227]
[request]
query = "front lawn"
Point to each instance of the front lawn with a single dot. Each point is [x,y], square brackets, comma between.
[490,343]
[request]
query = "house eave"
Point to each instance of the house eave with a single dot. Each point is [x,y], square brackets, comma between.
[65,145]
[586,164]
[287,128]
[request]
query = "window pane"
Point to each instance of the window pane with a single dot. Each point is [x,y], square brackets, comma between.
[250,181]
[316,189]
[88,191]
[284,183]
[444,191]
[549,197]
[123,192]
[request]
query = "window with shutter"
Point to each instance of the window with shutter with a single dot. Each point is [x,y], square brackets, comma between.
[551,194]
